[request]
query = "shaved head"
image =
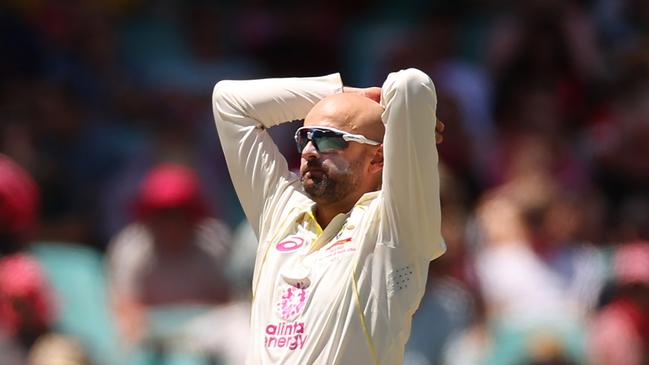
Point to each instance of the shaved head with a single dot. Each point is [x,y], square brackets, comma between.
[349,112]
[339,177]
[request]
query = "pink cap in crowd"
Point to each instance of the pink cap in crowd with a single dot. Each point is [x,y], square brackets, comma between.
[167,186]
[18,197]
[25,295]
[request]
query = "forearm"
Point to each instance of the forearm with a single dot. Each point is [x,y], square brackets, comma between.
[268,102]
[243,110]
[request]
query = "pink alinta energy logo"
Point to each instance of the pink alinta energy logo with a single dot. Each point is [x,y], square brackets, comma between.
[285,335]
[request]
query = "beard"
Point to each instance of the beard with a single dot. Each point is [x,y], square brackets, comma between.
[328,185]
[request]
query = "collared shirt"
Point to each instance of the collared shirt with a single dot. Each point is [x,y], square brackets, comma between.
[344,294]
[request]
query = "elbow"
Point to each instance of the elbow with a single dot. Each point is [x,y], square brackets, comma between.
[221,91]
[413,76]
[413,82]
[222,99]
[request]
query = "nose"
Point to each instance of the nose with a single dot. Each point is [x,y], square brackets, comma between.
[309,151]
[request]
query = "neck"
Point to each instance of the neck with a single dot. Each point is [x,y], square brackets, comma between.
[325,212]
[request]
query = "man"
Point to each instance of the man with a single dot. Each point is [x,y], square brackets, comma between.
[344,247]
[27,309]
[173,253]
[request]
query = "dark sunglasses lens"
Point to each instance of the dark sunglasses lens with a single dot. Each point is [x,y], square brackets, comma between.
[330,142]
[324,140]
[301,139]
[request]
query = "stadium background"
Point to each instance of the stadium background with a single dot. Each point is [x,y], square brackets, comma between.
[545,162]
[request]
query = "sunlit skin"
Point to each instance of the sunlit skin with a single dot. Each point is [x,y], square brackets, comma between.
[336,180]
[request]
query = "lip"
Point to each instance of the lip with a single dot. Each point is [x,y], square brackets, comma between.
[312,167]
[310,172]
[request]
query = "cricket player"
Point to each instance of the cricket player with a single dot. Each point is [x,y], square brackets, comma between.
[344,247]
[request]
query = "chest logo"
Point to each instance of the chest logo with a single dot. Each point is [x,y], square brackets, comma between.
[289,244]
[291,302]
[339,243]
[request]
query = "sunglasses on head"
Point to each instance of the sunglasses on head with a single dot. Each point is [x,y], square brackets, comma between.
[327,139]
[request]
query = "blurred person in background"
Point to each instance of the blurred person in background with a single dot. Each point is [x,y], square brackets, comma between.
[539,277]
[57,349]
[529,234]
[619,139]
[449,305]
[173,255]
[619,333]
[26,298]
[225,330]
[19,203]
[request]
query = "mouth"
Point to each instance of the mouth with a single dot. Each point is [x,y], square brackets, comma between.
[313,173]
[312,169]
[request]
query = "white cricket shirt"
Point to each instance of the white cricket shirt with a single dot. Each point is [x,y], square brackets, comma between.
[345,294]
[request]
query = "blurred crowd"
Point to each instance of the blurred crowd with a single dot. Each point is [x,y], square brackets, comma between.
[121,238]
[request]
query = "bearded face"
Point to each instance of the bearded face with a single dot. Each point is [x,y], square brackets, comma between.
[329,181]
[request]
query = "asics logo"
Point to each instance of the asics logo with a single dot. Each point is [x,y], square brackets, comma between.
[291,243]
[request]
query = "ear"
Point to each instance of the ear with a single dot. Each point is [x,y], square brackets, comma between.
[376,164]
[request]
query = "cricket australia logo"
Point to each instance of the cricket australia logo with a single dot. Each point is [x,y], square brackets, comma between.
[291,302]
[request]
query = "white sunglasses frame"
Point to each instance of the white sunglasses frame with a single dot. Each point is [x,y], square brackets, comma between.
[349,137]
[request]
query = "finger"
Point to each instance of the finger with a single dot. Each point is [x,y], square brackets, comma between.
[373,93]
[349,89]
[439,138]
[440,126]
